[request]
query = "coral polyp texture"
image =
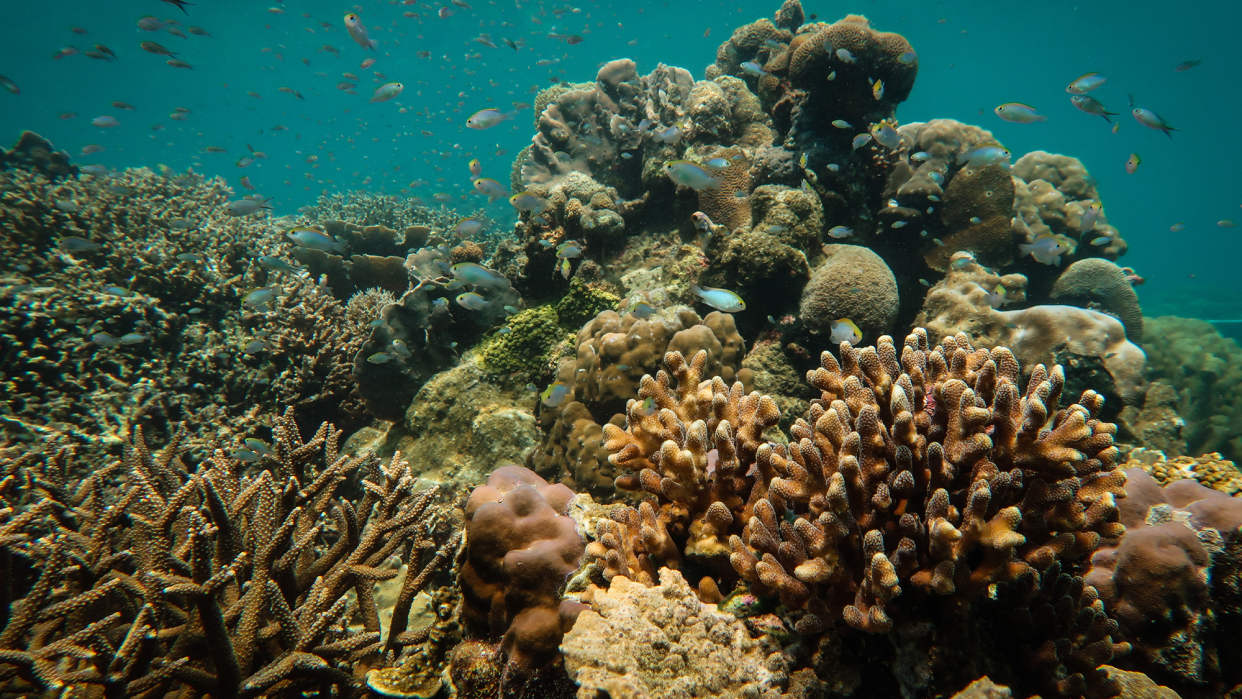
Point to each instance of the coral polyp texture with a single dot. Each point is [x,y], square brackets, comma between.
[932,474]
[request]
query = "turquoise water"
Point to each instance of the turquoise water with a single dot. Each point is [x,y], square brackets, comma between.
[973,56]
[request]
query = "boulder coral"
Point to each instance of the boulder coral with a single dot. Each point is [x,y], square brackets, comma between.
[852,282]
[1173,581]
[520,550]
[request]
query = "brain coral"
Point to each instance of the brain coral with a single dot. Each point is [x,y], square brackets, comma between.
[1100,281]
[852,282]
[661,642]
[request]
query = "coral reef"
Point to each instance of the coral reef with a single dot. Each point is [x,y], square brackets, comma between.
[1172,581]
[1205,370]
[1092,346]
[621,646]
[206,580]
[520,550]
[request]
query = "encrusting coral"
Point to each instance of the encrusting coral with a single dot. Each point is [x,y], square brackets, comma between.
[621,646]
[209,580]
[1174,582]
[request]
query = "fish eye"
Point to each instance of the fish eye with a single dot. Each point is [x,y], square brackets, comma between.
[987,193]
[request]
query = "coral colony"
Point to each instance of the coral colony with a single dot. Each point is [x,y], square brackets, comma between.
[765,394]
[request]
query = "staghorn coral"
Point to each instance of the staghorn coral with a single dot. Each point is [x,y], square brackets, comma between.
[1096,282]
[621,647]
[854,283]
[352,213]
[1172,581]
[934,475]
[150,327]
[520,550]
[208,581]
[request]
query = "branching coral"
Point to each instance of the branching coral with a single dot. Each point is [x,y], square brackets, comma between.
[691,443]
[932,474]
[127,304]
[208,580]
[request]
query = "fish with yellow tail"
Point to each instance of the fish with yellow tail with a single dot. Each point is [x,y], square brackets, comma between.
[845,330]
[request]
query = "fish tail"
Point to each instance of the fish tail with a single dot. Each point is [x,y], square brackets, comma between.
[715,182]
[1167,132]
[1025,249]
[696,289]
[1105,115]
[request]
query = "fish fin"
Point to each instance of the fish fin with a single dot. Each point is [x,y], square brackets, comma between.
[1105,115]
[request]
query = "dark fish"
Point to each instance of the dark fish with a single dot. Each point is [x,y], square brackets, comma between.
[180,4]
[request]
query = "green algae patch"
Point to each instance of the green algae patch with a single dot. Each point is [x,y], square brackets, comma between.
[524,352]
[582,303]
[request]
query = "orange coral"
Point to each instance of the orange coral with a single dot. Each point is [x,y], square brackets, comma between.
[932,470]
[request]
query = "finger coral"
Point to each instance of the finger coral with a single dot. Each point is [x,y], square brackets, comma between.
[932,474]
[210,580]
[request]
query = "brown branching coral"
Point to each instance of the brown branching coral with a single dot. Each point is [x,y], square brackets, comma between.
[691,445]
[211,580]
[931,473]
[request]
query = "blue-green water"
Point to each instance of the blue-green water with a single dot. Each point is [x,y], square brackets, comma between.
[973,56]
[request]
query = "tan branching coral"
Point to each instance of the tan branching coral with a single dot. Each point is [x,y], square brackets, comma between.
[933,473]
[691,443]
[210,581]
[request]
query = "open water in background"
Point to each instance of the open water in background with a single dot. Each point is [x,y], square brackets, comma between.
[973,56]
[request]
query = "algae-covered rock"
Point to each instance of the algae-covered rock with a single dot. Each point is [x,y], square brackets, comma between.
[582,303]
[524,352]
